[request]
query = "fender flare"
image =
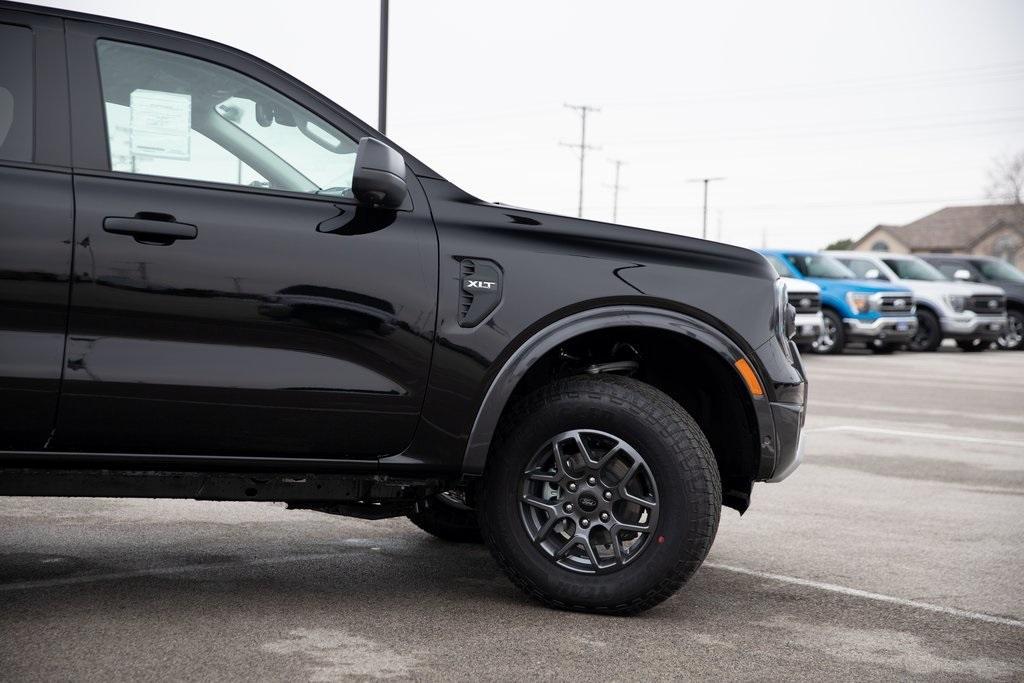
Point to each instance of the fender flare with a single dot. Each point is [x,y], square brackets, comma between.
[564,329]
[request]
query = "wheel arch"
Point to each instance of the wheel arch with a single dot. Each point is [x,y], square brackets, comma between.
[688,331]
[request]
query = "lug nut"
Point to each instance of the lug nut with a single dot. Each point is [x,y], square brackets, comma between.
[592,480]
[607,495]
[568,507]
[584,522]
[572,486]
[604,516]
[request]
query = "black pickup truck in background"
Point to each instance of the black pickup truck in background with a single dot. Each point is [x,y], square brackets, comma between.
[217,284]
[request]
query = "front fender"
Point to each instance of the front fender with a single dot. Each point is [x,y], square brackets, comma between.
[561,331]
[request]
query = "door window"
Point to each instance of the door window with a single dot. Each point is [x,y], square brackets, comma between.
[180,117]
[15,93]
[862,268]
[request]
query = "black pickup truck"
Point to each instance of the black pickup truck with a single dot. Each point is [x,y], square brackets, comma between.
[216,284]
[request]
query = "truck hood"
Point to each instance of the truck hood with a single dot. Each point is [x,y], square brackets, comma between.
[938,288]
[799,286]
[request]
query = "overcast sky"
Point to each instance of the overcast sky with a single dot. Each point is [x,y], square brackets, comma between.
[825,118]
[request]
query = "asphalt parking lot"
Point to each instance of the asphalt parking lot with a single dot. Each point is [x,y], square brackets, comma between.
[896,550]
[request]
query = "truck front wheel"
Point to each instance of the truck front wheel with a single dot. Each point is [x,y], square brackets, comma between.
[603,495]
[833,337]
[929,333]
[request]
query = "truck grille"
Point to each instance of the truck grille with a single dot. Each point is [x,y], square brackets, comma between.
[896,303]
[986,303]
[805,303]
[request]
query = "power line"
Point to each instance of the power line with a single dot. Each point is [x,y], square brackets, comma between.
[615,191]
[706,181]
[583,109]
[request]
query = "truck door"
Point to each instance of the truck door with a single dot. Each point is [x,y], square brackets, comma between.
[36,222]
[230,297]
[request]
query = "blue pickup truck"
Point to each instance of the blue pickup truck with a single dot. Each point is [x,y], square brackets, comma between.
[879,316]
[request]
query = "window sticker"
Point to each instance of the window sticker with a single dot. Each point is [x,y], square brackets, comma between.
[160,123]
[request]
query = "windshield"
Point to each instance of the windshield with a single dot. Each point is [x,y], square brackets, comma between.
[1000,270]
[913,269]
[780,266]
[819,265]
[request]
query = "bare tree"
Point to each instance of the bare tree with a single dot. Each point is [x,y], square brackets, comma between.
[1006,180]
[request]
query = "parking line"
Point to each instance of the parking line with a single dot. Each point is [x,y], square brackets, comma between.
[867,595]
[919,435]
[158,571]
[938,382]
[937,412]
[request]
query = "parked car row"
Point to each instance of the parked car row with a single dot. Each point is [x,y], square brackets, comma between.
[891,301]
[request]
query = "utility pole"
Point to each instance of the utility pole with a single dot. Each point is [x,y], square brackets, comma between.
[704,234]
[615,192]
[382,87]
[583,146]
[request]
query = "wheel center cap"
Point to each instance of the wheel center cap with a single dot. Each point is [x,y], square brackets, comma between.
[587,502]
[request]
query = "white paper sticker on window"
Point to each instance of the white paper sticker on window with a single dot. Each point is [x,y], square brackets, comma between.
[160,124]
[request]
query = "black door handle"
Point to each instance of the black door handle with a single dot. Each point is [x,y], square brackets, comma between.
[150,230]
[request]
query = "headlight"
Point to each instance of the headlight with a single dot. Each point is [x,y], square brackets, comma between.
[860,302]
[785,318]
[956,302]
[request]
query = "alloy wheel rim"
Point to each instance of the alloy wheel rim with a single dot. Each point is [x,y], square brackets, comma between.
[923,335]
[828,337]
[1014,333]
[589,501]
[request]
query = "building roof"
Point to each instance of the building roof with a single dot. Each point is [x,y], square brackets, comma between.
[954,227]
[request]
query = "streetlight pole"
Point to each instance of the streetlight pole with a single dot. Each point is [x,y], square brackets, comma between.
[382,87]
[704,234]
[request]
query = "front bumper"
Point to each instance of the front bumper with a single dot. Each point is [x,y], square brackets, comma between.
[781,420]
[809,327]
[973,326]
[788,419]
[886,328]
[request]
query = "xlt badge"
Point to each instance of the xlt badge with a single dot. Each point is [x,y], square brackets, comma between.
[480,292]
[480,284]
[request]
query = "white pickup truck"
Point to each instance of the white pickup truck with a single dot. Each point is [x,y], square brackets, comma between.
[805,297]
[972,314]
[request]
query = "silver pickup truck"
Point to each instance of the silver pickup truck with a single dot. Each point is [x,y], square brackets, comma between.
[972,314]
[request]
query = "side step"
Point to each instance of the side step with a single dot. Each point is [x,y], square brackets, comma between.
[290,487]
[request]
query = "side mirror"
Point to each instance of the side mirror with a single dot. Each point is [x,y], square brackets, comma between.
[962,274]
[873,274]
[379,175]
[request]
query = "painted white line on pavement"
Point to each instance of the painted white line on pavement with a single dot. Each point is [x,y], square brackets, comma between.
[914,382]
[937,412]
[867,595]
[158,571]
[919,435]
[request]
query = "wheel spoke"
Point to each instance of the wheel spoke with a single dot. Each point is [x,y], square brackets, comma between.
[560,468]
[569,545]
[542,474]
[639,500]
[627,526]
[584,451]
[616,546]
[599,464]
[591,553]
[541,504]
[546,527]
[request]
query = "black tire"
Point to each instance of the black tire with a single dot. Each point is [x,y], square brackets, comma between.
[1013,340]
[973,345]
[833,337]
[928,336]
[677,459]
[447,522]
